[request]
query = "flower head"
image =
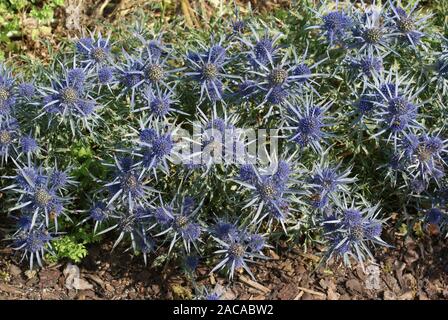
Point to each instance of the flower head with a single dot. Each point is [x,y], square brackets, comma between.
[7,96]
[34,244]
[326,181]
[238,251]
[95,51]
[178,221]
[407,25]
[307,123]
[352,229]
[70,98]
[208,69]
[270,191]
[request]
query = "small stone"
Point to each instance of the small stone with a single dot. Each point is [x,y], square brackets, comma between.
[308,296]
[287,267]
[86,295]
[422,296]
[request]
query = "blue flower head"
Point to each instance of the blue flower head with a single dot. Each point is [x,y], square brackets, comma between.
[70,98]
[270,191]
[307,123]
[94,51]
[208,69]
[180,222]
[34,244]
[326,181]
[7,96]
[9,133]
[407,25]
[237,252]
[351,231]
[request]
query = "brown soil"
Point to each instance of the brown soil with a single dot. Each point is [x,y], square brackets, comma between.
[411,270]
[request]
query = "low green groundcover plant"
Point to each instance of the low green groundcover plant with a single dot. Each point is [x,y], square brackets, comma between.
[160,141]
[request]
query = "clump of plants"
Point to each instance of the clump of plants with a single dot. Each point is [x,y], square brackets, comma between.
[159,144]
[20,19]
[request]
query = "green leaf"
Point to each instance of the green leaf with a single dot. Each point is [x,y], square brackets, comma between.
[67,247]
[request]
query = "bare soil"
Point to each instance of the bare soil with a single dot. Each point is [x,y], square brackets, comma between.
[413,269]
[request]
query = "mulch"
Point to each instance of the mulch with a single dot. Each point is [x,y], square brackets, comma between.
[412,269]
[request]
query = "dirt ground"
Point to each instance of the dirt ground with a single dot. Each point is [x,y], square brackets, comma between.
[411,270]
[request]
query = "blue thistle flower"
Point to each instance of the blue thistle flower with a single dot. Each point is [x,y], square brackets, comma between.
[27,90]
[307,123]
[82,45]
[270,192]
[424,155]
[365,105]
[38,194]
[9,133]
[7,96]
[336,25]
[59,179]
[326,182]
[274,82]
[238,26]
[396,112]
[99,212]
[106,75]
[70,98]
[352,230]
[261,47]
[256,242]
[156,147]
[406,26]
[138,73]
[128,187]
[34,244]
[302,73]
[160,104]
[28,144]
[181,223]
[246,90]
[371,35]
[224,230]
[237,252]
[366,65]
[208,69]
[247,173]
[216,141]
[94,51]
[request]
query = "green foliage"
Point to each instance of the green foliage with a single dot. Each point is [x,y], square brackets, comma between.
[67,247]
[73,246]
[13,13]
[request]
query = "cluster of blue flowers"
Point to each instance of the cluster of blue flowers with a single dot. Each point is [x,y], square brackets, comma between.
[162,201]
